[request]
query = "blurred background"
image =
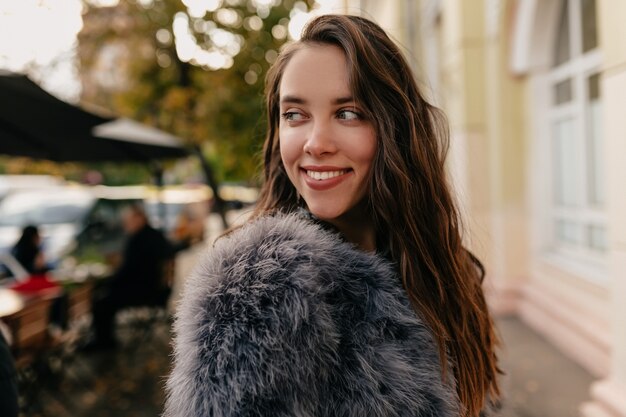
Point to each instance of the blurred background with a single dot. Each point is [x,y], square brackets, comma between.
[107,105]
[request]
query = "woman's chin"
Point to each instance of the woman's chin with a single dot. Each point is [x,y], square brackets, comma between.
[325,213]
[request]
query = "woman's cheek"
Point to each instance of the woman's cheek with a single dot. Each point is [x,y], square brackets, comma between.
[288,152]
[364,145]
[290,140]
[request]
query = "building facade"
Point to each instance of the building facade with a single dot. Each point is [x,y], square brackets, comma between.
[535,92]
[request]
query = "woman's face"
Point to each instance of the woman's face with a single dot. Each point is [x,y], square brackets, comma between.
[326,145]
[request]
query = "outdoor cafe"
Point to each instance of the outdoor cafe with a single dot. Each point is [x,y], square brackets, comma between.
[45,318]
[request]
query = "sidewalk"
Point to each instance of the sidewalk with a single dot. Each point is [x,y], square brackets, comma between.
[539,380]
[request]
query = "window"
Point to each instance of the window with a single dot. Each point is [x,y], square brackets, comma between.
[577,177]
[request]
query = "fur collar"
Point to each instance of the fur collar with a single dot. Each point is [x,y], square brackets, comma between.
[283,318]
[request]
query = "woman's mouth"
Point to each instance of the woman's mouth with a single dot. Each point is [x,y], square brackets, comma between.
[324,175]
[321,180]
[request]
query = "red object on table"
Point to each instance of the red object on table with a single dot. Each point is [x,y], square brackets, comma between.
[34,284]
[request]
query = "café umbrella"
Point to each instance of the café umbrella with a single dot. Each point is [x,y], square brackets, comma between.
[35,124]
[139,141]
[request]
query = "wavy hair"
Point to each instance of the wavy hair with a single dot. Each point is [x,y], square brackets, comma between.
[409,199]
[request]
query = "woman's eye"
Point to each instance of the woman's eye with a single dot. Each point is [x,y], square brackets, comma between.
[293,116]
[348,115]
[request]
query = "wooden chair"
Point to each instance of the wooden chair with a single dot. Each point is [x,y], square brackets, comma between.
[29,328]
[31,344]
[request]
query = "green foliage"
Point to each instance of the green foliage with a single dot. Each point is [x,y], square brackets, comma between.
[220,109]
[112,173]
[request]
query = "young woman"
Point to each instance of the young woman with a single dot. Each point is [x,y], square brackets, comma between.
[28,252]
[349,293]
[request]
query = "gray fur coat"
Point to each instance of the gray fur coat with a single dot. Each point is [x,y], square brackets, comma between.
[283,318]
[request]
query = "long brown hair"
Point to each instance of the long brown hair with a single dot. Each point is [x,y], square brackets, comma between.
[411,206]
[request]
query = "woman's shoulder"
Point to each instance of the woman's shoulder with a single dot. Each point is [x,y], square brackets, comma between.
[269,259]
[249,323]
[261,259]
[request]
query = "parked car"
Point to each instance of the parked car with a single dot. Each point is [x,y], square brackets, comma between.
[12,183]
[70,219]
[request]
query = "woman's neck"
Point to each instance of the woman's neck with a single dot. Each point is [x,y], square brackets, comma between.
[364,239]
[357,227]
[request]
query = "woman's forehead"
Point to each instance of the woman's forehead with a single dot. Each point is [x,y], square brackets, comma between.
[316,71]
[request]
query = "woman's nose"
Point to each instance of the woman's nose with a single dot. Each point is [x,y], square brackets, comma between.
[320,140]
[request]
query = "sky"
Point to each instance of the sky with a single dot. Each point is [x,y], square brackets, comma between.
[42,34]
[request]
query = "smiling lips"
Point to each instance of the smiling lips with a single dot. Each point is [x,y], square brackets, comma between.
[324,175]
[324,178]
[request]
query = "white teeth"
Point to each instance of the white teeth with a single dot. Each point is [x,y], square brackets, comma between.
[317,175]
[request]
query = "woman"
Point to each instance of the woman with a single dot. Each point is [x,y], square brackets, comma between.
[349,293]
[28,252]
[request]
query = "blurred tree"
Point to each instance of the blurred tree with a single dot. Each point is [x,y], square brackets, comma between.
[112,173]
[194,68]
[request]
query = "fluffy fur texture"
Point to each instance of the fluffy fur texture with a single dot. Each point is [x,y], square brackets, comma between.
[283,318]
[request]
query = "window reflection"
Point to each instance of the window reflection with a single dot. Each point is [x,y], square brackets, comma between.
[566,166]
[595,142]
[563,92]
[562,48]
[588,23]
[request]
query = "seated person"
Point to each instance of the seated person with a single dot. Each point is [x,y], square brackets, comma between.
[139,279]
[27,251]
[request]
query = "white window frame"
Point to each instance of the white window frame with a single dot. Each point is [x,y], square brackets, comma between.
[578,68]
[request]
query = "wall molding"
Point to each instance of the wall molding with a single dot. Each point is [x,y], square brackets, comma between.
[608,399]
[568,328]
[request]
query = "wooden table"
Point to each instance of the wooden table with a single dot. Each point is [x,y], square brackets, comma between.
[10,302]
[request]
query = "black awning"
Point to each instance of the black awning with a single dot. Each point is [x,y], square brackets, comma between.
[34,123]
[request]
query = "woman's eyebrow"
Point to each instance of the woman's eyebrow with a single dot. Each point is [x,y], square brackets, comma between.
[343,100]
[293,99]
[297,100]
